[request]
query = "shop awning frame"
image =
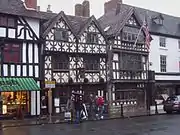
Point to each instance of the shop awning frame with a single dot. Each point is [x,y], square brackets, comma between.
[8,84]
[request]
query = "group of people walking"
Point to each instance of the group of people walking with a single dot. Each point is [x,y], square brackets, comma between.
[77,110]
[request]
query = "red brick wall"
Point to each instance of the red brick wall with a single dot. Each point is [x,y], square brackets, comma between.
[31,4]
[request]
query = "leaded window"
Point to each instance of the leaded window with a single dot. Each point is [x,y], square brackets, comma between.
[61,35]
[7,21]
[131,62]
[92,38]
[163,63]
[11,53]
[60,62]
[91,62]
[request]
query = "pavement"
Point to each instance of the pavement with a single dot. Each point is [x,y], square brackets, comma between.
[153,125]
[60,119]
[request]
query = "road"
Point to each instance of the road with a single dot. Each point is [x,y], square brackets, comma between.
[152,125]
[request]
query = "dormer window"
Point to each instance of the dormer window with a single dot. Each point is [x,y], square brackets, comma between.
[61,35]
[92,38]
[158,19]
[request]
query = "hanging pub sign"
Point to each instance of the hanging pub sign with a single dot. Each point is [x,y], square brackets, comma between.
[50,84]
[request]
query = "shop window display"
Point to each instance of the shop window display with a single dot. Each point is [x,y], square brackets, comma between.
[12,101]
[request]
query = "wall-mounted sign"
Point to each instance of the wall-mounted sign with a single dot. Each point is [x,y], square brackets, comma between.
[50,84]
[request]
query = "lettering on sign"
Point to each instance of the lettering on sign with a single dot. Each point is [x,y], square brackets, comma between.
[50,84]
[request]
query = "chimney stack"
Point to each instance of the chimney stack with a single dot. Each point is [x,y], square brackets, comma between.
[83,9]
[112,4]
[86,8]
[78,10]
[31,4]
[49,9]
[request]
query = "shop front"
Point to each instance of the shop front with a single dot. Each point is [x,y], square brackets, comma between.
[19,96]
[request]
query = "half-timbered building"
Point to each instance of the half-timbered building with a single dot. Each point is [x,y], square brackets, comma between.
[20,59]
[127,60]
[74,56]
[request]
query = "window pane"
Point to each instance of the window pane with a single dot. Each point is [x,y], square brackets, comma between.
[3,21]
[11,22]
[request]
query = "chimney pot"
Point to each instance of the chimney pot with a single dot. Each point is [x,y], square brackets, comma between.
[32,4]
[49,9]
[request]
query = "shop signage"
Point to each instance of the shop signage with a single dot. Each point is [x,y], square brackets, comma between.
[8,83]
[50,84]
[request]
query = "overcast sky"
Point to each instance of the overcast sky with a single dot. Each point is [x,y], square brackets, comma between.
[97,6]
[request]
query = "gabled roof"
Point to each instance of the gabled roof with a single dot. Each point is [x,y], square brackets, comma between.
[88,22]
[116,22]
[50,23]
[76,24]
[170,25]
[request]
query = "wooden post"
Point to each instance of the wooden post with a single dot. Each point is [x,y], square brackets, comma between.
[50,104]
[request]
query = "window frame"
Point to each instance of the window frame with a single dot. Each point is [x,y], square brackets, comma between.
[60,64]
[162,44]
[10,51]
[9,21]
[64,34]
[92,38]
[163,63]
[91,63]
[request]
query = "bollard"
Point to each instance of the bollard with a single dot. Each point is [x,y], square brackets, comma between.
[122,115]
[156,109]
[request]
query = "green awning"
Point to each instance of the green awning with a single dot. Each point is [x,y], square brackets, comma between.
[18,84]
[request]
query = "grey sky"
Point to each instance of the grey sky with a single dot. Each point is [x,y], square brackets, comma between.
[97,6]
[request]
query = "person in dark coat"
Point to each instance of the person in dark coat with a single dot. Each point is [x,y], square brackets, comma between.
[77,107]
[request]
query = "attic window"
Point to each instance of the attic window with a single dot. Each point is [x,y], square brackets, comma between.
[92,37]
[61,35]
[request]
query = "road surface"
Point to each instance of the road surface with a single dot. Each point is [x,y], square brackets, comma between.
[152,125]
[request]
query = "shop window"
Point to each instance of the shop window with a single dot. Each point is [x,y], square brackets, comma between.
[163,63]
[60,62]
[12,53]
[12,100]
[91,62]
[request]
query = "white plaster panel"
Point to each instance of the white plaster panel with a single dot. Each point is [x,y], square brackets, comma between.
[36,71]
[36,53]
[33,103]
[24,53]
[24,70]
[2,32]
[115,57]
[11,33]
[30,70]
[30,53]
[18,70]
[20,32]
[5,69]
[12,70]
[34,24]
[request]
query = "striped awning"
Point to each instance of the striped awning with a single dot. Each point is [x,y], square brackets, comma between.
[18,84]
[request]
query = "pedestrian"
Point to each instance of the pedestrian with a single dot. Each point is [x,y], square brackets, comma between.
[100,107]
[92,106]
[44,108]
[77,108]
